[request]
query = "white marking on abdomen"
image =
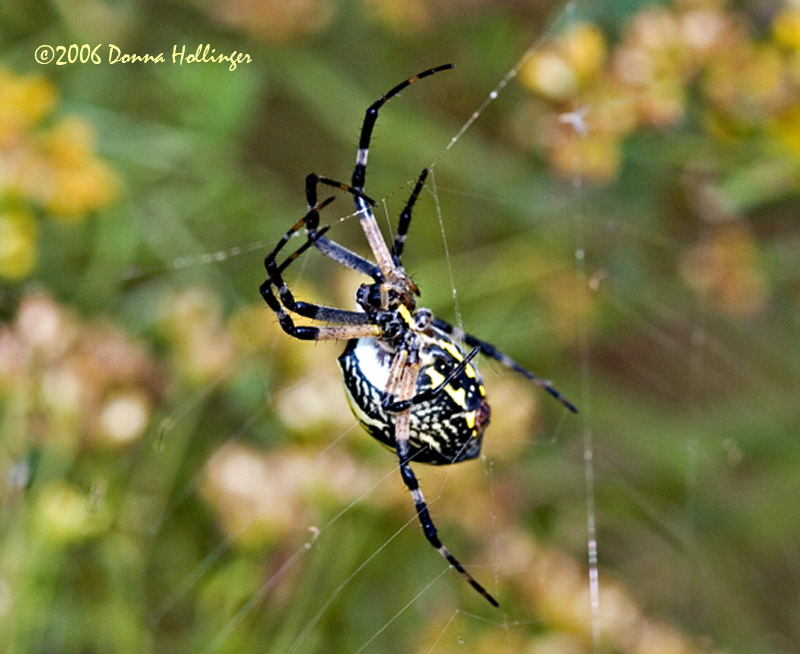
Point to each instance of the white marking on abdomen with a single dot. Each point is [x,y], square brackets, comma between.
[374,366]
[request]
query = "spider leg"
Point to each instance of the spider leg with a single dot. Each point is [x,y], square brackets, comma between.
[367,219]
[305,309]
[491,351]
[308,309]
[405,219]
[329,248]
[313,180]
[390,403]
[402,422]
[348,258]
[353,324]
[360,171]
[312,216]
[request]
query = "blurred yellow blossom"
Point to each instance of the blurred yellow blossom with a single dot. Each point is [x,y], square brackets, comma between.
[44,166]
[24,101]
[405,17]
[70,141]
[65,514]
[750,85]
[78,190]
[786,131]
[18,234]
[584,47]
[549,73]
[595,157]
[786,28]
[665,54]
[559,70]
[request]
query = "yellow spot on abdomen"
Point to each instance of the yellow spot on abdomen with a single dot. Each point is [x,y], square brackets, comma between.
[435,376]
[470,418]
[459,395]
[452,350]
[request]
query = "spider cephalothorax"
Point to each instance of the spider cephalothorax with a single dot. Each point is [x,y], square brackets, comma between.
[407,377]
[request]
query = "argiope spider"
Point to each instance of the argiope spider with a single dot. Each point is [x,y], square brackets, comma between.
[409,382]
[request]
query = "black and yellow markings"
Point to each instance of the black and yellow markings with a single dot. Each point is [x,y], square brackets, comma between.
[465,393]
[444,429]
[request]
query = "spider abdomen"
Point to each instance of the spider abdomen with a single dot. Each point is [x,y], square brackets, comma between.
[444,429]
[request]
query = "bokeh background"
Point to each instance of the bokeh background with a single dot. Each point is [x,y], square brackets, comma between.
[178,475]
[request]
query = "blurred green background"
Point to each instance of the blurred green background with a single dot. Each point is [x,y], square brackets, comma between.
[178,475]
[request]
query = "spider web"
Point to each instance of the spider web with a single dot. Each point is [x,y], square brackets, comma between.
[565,518]
[316,542]
[705,356]
[704,353]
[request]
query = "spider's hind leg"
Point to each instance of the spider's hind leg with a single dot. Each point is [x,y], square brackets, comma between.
[428,528]
[402,425]
[491,351]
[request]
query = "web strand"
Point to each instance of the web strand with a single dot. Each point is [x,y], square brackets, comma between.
[588,438]
[510,75]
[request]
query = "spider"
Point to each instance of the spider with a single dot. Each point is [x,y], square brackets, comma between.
[408,380]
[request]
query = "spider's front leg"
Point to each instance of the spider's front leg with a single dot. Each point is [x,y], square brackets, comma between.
[402,422]
[405,218]
[330,248]
[352,324]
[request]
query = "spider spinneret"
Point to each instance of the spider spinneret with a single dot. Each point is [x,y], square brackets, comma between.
[408,380]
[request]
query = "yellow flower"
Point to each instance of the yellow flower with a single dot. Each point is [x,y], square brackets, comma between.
[402,16]
[560,70]
[24,101]
[78,190]
[585,48]
[594,158]
[786,131]
[64,514]
[79,182]
[548,73]
[274,21]
[50,167]
[786,28]
[70,141]
[18,234]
